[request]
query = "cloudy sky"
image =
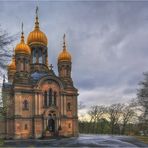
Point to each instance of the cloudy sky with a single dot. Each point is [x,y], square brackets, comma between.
[108,42]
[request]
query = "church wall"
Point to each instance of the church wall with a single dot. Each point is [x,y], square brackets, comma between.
[38,128]
[19,106]
[23,128]
[23,122]
[75,126]
[66,127]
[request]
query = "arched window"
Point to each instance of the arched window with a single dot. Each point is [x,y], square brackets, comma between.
[45,99]
[24,65]
[68,106]
[34,55]
[67,71]
[21,65]
[25,62]
[44,57]
[50,97]
[54,98]
[26,127]
[25,105]
[40,55]
[69,125]
[49,115]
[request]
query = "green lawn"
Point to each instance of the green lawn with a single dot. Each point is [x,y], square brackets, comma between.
[142,138]
[1,142]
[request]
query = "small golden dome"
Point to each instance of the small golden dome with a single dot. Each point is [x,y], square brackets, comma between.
[22,47]
[12,66]
[37,36]
[64,55]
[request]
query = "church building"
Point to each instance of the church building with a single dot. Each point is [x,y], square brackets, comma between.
[39,103]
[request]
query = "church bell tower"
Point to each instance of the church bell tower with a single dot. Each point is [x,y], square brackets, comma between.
[65,64]
[37,41]
[22,56]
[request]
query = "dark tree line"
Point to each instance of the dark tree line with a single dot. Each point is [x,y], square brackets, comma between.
[119,118]
[113,119]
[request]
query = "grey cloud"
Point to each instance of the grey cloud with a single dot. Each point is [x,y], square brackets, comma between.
[107,40]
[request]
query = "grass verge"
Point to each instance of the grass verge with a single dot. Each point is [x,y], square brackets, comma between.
[1,142]
[142,138]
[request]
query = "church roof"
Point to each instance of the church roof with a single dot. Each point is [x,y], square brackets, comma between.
[38,75]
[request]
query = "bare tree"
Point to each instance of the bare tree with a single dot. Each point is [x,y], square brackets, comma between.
[128,113]
[114,114]
[5,53]
[96,113]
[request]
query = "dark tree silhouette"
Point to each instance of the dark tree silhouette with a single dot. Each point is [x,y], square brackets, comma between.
[5,53]
[143,95]
[143,102]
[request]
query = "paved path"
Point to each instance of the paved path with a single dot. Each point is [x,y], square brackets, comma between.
[82,141]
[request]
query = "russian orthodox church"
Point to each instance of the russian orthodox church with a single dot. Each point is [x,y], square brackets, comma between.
[40,103]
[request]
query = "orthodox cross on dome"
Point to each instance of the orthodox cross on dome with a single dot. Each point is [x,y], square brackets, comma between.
[22,36]
[37,9]
[37,21]
[51,66]
[22,26]
[64,42]
[64,36]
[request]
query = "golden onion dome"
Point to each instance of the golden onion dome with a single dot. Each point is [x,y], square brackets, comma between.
[64,55]
[12,66]
[22,47]
[37,36]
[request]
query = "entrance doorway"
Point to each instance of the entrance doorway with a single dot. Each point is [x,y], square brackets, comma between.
[51,125]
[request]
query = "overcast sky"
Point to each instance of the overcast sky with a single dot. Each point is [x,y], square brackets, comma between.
[108,42]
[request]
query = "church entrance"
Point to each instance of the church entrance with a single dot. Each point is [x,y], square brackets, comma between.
[51,125]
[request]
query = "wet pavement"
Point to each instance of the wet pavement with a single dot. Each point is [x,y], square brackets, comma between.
[83,140]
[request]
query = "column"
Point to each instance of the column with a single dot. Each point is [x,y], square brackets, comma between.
[65,105]
[43,57]
[76,105]
[61,98]
[39,103]
[35,104]
[46,57]
[48,98]
[20,100]
[37,56]
[52,96]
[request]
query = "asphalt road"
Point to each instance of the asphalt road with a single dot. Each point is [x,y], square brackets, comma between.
[82,141]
